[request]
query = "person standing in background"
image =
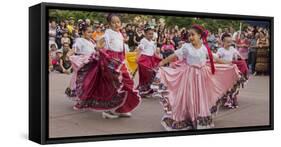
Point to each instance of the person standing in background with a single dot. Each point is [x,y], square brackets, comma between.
[61,28]
[52,33]
[130,34]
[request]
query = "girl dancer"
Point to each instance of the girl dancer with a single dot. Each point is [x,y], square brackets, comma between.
[149,59]
[194,89]
[230,54]
[104,84]
[83,48]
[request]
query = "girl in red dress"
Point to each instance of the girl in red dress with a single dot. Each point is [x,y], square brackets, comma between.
[104,83]
[148,60]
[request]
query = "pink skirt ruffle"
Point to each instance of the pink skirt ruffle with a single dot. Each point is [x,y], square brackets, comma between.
[193,93]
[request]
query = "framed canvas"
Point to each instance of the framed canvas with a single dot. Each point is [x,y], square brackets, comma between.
[106,73]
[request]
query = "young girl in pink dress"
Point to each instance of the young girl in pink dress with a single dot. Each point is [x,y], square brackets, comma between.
[104,83]
[195,88]
[231,54]
[147,62]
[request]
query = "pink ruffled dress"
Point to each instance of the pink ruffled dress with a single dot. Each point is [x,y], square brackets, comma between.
[191,93]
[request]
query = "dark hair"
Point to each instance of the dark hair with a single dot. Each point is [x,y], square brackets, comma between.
[52,19]
[198,29]
[52,45]
[263,33]
[147,28]
[110,15]
[62,20]
[84,27]
[224,35]
[64,33]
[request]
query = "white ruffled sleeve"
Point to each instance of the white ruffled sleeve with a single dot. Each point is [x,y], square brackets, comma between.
[106,39]
[181,53]
[142,44]
[77,46]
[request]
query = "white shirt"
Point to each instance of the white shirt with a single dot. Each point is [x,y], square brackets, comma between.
[229,54]
[114,40]
[84,46]
[192,55]
[147,47]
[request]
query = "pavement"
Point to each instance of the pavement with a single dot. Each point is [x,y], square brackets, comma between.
[65,122]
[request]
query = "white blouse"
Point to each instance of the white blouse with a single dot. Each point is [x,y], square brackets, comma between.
[147,47]
[84,46]
[229,54]
[114,40]
[192,55]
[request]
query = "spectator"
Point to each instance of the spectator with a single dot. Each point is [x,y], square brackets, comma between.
[52,33]
[176,38]
[138,35]
[243,44]
[211,40]
[61,28]
[64,62]
[70,25]
[75,35]
[130,34]
[252,51]
[97,33]
[167,48]
[52,56]
[65,38]
[88,22]
[126,39]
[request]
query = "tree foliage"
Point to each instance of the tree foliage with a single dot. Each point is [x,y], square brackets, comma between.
[170,21]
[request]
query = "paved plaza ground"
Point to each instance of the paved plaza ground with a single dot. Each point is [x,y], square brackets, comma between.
[65,122]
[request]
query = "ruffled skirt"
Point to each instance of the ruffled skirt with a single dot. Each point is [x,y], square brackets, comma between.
[192,94]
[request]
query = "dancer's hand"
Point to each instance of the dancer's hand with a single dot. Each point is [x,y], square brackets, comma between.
[173,65]
[161,63]
[69,71]
[100,43]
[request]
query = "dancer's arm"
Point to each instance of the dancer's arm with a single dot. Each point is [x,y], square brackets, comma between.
[168,59]
[138,51]
[221,61]
[157,52]
[140,47]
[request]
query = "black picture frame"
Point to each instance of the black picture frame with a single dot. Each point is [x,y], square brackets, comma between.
[38,73]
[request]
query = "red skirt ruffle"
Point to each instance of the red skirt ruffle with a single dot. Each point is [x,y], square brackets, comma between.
[242,66]
[104,84]
[146,68]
